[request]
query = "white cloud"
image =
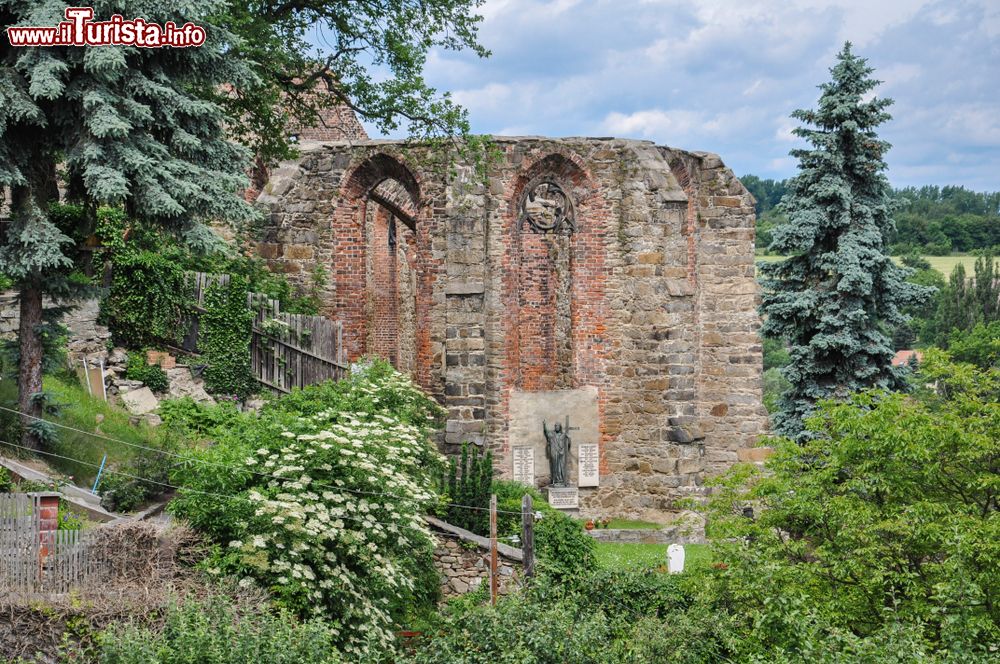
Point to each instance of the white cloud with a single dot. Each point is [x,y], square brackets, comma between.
[976,123]
[669,126]
[724,76]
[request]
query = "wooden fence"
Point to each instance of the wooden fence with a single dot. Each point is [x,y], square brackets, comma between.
[286,350]
[37,561]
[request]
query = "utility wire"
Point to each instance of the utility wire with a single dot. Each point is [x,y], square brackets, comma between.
[233,468]
[188,489]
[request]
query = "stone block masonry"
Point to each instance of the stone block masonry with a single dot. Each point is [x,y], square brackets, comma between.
[647,299]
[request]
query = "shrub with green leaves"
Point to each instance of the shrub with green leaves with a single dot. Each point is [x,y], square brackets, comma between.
[148,298]
[214,631]
[884,526]
[466,484]
[563,548]
[6,481]
[197,420]
[606,617]
[326,490]
[151,375]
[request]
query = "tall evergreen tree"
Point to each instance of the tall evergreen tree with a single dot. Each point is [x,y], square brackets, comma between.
[838,292]
[143,128]
[124,126]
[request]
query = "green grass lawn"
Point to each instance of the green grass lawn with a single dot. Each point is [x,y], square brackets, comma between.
[943,264]
[625,556]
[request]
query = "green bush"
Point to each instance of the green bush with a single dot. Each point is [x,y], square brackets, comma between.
[327,514]
[607,617]
[466,486]
[885,525]
[148,298]
[979,346]
[197,420]
[214,631]
[562,546]
[151,375]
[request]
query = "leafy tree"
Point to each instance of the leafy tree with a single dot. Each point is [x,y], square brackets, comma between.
[371,60]
[920,315]
[979,346]
[886,519]
[766,191]
[929,219]
[126,126]
[838,289]
[964,302]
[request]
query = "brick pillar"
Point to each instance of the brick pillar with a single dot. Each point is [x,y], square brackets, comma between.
[48,522]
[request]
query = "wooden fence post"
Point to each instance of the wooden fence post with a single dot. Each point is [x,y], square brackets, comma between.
[494,581]
[528,535]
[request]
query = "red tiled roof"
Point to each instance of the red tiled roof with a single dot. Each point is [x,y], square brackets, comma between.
[903,357]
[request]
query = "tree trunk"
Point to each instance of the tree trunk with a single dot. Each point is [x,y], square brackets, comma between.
[29,373]
[40,188]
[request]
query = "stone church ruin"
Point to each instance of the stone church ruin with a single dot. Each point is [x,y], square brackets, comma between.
[604,284]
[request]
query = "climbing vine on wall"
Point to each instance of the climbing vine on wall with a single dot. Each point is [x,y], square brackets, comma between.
[224,338]
[148,297]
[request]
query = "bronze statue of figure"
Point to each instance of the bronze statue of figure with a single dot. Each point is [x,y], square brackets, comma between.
[557,445]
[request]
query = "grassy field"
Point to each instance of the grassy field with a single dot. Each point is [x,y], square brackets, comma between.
[943,264]
[625,556]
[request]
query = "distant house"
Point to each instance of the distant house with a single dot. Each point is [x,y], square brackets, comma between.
[903,357]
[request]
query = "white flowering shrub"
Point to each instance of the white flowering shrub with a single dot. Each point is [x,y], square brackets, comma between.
[327,513]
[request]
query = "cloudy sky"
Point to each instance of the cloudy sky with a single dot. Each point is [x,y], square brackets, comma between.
[723,76]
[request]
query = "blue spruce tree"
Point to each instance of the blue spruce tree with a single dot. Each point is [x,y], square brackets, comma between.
[837,295]
[132,127]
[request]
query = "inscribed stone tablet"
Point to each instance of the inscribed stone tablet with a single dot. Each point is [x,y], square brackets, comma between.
[589,464]
[564,498]
[524,465]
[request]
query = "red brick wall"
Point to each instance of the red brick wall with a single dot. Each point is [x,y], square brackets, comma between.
[336,123]
[555,289]
[385,289]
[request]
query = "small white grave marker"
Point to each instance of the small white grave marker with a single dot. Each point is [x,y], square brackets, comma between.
[675,558]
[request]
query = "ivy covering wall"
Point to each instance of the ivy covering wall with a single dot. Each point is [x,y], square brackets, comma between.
[224,339]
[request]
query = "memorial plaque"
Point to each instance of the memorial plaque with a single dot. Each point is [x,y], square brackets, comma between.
[589,465]
[564,498]
[524,465]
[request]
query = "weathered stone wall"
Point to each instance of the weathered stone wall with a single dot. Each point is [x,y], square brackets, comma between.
[652,300]
[86,336]
[463,569]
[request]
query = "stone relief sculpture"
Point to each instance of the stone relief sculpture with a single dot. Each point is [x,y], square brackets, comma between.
[547,208]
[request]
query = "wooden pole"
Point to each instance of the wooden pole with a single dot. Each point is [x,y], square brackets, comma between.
[494,581]
[528,535]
